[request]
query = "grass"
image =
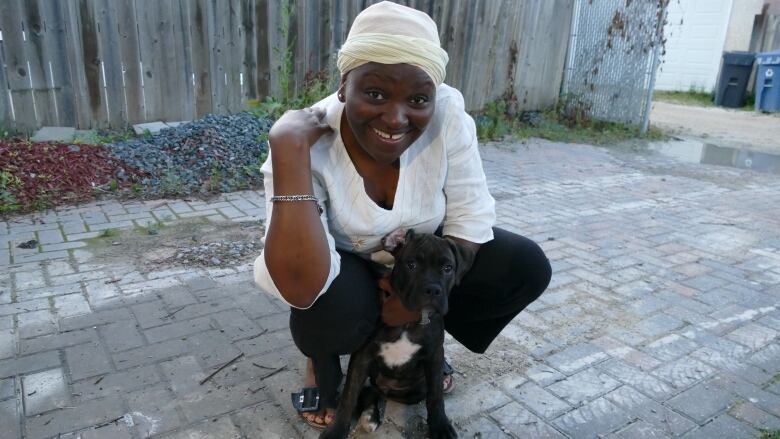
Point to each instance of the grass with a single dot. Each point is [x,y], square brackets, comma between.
[698,98]
[770,434]
[566,122]
[108,233]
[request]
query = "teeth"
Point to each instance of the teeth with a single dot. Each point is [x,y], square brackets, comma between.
[384,135]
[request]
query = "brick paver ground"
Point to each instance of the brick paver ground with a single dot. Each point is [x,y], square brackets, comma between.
[662,318]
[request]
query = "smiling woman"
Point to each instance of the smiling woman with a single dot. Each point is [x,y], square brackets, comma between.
[392,149]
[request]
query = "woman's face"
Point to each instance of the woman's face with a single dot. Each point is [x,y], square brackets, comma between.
[387,107]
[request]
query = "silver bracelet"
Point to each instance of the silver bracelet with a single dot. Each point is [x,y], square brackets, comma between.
[276,198]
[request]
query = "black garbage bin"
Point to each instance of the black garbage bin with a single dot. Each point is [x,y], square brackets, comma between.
[733,80]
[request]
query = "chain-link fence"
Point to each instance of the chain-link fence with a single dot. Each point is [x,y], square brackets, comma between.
[613,57]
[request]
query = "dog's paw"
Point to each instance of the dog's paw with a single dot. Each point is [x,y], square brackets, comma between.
[441,429]
[368,422]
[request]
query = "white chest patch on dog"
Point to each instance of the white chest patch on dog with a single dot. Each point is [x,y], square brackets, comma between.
[399,352]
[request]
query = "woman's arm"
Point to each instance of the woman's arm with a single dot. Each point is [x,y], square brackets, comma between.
[296,248]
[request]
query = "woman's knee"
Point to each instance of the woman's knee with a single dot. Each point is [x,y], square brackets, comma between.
[341,320]
[527,262]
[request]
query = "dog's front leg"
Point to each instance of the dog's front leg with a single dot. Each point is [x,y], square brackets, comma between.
[439,425]
[357,372]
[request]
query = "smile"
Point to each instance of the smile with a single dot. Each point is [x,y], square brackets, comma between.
[390,137]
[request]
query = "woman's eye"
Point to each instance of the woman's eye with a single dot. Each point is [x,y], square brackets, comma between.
[375,95]
[419,100]
[447,268]
[412,265]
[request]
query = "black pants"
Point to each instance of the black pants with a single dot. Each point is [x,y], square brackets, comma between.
[509,273]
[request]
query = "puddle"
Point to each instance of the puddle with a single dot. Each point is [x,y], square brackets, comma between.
[694,151]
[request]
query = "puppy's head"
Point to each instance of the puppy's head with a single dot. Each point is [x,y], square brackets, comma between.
[426,269]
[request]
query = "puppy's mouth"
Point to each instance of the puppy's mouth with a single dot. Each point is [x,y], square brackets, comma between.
[426,313]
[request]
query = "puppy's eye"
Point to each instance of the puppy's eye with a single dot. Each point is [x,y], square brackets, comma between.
[447,268]
[411,265]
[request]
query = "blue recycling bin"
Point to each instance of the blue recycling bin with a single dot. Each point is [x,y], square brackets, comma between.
[768,81]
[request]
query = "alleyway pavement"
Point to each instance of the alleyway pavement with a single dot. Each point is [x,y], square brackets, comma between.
[662,318]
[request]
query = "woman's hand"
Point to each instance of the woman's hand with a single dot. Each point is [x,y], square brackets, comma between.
[298,127]
[393,311]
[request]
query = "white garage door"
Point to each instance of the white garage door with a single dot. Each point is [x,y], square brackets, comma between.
[696,32]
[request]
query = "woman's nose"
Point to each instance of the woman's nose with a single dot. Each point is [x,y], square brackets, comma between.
[395,116]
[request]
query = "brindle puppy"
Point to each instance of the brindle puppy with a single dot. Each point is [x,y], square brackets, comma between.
[405,363]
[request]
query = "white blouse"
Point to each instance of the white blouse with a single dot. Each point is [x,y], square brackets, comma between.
[440,182]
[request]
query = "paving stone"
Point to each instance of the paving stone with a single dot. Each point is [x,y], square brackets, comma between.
[118,430]
[179,329]
[218,428]
[152,353]
[583,386]
[94,319]
[78,417]
[153,411]
[236,326]
[71,305]
[151,314]
[539,400]
[213,348]
[683,372]
[53,236]
[543,375]
[264,420]
[576,357]
[750,413]
[645,383]
[670,347]
[141,129]
[519,422]
[35,257]
[767,401]
[658,324]
[639,429]
[54,134]
[44,391]
[9,418]
[642,407]
[36,323]
[483,427]
[466,403]
[598,417]
[753,335]
[86,361]
[723,426]
[767,358]
[116,383]
[7,388]
[121,336]
[29,363]
[7,343]
[29,279]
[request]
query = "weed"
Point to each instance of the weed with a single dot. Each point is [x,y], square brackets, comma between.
[8,201]
[769,434]
[171,183]
[567,122]
[107,137]
[151,228]
[108,233]
[316,85]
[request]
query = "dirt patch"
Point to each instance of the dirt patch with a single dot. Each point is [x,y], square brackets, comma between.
[720,126]
[190,243]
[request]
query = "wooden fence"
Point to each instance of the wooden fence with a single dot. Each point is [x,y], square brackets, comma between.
[110,63]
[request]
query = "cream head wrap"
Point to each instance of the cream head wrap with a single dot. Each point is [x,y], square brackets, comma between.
[388,33]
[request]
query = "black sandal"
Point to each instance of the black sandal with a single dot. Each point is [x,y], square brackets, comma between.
[308,401]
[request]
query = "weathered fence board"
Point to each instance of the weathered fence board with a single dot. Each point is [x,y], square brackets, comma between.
[106,63]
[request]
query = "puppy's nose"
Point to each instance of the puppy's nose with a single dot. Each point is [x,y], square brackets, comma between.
[433,290]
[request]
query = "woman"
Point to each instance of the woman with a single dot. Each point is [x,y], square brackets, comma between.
[393,148]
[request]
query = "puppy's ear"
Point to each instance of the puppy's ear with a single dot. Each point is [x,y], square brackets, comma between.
[395,240]
[464,259]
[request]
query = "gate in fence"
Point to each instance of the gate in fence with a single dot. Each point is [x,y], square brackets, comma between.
[613,57]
